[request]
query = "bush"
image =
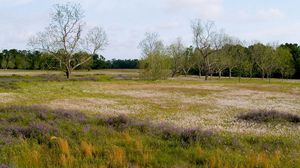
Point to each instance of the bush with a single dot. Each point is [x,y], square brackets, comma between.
[119,122]
[269,116]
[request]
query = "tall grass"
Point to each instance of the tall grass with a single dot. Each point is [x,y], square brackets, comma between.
[124,142]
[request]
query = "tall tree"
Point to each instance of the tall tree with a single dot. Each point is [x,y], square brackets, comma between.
[155,62]
[207,40]
[285,62]
[295,51]
[220,60]
[63,38]
[7,58]
[176,52]
[264,58]
[188,60]
[241,59]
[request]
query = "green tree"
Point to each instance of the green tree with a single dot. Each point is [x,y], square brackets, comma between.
[295,51]
[7,58]
[176,52]
[155,62]
[285,62]
[264,58]
[188,60]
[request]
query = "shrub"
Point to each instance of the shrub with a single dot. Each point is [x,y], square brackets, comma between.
[38,131]
[166,131]
[119,122]
[189,136]
[70,115]
[269,116]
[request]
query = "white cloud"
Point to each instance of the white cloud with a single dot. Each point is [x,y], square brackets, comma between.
[15,2]
[209,9]
[270,14]
[258,16]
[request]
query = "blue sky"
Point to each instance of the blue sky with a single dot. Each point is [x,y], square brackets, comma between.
[126,21]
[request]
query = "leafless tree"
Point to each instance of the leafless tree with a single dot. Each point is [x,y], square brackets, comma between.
[207,40]
[63,38]
[176,51]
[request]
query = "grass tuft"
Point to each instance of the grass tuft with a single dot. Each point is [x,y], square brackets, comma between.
[117,157]
[87,149]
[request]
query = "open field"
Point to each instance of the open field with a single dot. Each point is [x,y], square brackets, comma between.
[48,121]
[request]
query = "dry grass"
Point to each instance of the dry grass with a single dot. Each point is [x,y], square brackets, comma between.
[117,157]
[87,149]
[65,159]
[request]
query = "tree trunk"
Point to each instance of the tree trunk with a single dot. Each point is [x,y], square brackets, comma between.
[220,74]
[230,69]
[68,73]
[206,76]
[263,74]
[200,75]
[173,74]
[184,71]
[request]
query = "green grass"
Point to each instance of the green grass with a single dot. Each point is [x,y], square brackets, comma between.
[35,131]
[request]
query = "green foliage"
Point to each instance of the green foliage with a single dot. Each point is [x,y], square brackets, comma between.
[155,67]
[285,62]
[155,62]
[295,51]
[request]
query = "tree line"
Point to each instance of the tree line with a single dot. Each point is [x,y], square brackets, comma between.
[65,46]
[216,53]
[36,60]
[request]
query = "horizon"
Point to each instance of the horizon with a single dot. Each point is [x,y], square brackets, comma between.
[126,22]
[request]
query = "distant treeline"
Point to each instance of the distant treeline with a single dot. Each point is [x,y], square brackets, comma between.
[35,60]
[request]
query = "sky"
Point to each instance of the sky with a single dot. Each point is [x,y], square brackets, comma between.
[127,21]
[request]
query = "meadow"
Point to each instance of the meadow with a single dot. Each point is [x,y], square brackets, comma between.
[111,118]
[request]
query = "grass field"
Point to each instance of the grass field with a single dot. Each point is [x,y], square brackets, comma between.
[110,118]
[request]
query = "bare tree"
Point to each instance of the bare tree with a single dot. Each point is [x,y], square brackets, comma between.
[63,38]
[207,41]
[176,51]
